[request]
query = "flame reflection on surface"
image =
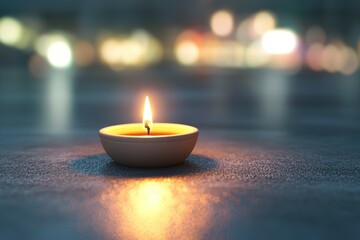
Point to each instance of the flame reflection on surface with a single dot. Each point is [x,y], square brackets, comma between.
[155,209]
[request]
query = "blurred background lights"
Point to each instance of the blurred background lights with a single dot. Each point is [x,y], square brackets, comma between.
[332,58]
[187,52]
[245,31]
[255,55]
[263,21]
[313,56]
[210,47]
[84,53]
[11,31]
[134,50]
[255,43]
[110,50]
[222,23]
[59,54]
[151,49]
[38,66]
[229,54]
[43,42]
[351,62]
[279,41]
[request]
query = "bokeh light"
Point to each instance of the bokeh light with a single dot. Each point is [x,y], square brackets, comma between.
[279,41]
[332,58]
[187,52]
[256,56]
[11,31]
[263,21]
[131,52]
[230,54]
[110,51]
[59,54]
[152,48]
[38,66]
[313,56]
[84,53]
[135,50]
[351,61]
[256,43]
[222,22]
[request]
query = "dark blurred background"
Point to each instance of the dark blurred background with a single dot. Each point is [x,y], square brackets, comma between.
[254,64]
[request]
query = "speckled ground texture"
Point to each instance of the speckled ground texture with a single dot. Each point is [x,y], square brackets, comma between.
[278,156]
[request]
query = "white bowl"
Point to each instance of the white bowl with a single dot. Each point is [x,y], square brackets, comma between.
[168,144]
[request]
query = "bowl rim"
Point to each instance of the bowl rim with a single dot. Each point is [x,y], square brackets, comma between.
[105,135]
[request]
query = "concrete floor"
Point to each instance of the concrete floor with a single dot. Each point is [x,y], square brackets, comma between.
[278,157]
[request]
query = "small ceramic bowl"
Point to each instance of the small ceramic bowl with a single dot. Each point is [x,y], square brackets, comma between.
[168,144]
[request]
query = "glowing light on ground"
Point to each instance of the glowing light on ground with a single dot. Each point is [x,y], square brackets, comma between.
[279,41]
[222,23]
[59,54]
[155,209]
[187,52]
[11,31]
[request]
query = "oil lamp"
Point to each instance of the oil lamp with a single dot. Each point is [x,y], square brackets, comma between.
[148,144]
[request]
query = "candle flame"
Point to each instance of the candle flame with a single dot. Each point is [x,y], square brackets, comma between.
[147,118]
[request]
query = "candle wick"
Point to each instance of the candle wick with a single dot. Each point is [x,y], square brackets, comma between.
[148,128]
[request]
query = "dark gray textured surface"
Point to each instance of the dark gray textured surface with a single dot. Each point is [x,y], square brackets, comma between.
[277,158]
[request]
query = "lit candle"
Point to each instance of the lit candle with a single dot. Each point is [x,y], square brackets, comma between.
[148,144]
[147,119]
